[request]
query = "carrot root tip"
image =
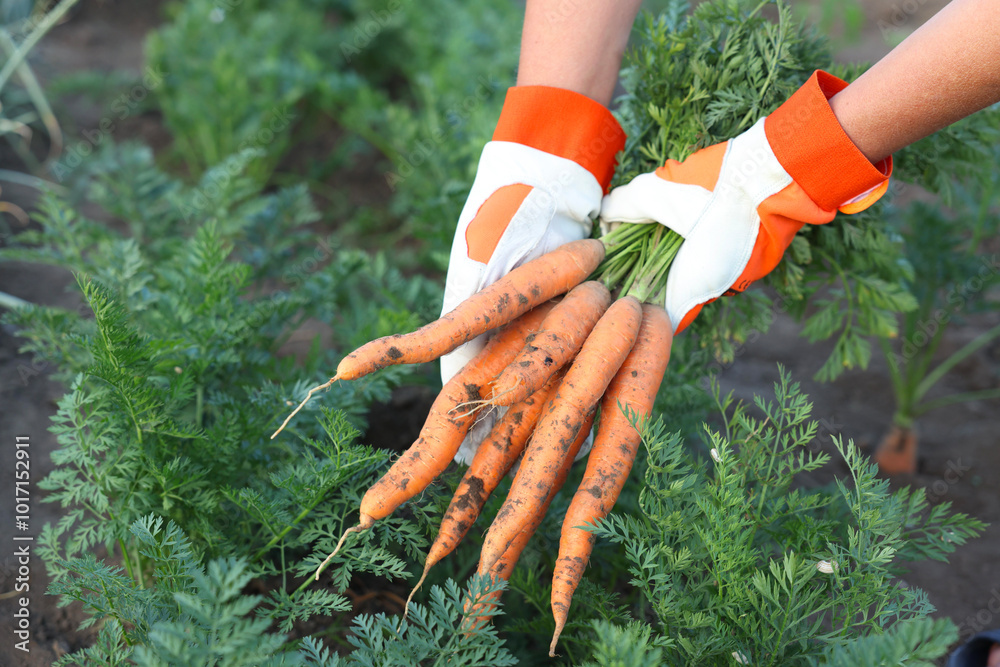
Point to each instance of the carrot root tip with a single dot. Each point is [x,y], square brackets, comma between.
[560,624]
[305,400]
[406,608]
[365,523]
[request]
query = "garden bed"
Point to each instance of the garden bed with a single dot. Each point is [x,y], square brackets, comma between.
[960,460]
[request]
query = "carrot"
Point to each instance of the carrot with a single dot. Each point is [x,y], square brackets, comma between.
[525,287]
[557,340]
[444,429]
[505,566]
[610,460]
[581,389]
[494,458]
[519,291]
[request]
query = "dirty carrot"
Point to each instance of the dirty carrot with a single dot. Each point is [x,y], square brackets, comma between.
[494,458]
[598,361]
[525,287]
[519,291]
[444,429]
[557,340]
[634,387]
[502,568]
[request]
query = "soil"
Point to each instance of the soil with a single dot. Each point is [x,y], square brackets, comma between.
[959,461]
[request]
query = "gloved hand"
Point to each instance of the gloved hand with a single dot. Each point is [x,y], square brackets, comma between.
[539,185]
[739,204]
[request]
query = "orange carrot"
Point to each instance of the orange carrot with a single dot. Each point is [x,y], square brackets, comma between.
[505,566]
[581,389]
[525,287]
[494,458]
[557,340]
[446,426]
[610,460]
[519,291]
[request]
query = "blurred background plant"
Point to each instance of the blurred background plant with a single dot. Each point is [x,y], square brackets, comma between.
[24,107]
[953,252]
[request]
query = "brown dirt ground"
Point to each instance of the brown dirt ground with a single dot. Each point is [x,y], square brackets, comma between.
[960,459]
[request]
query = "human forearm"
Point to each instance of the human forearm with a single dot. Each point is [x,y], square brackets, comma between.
[946,70]
[575,44]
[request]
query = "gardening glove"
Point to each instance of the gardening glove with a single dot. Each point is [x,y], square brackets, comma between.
[739,204]
[539,185]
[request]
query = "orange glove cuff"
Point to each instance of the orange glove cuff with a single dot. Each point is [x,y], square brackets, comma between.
[563,123]
[813,148]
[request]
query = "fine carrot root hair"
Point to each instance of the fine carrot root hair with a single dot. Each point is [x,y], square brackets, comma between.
[580,390]
[557,340]
[476,615]
[363,525]
[301,405]
[443,432]
[610,460]
[519,291]
[494,458]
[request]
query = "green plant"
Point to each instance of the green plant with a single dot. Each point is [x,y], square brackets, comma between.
[733,558]
[696,79]
[453,60]
[31,28]
[241,76]
[175,380]
[919,643]
[842,21]
[954,276]
[417,82]
[198,616]
[21,27]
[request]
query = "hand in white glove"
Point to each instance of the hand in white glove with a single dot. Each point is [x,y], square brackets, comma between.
[539,185]
[739,204]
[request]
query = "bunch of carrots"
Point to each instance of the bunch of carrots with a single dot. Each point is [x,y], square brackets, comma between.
[562,349]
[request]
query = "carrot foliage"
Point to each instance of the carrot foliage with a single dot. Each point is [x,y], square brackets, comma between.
[694,79]
[172,371]
[733,558]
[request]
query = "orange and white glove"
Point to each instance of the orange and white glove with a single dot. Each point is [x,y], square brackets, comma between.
[739,204]
[539,185]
